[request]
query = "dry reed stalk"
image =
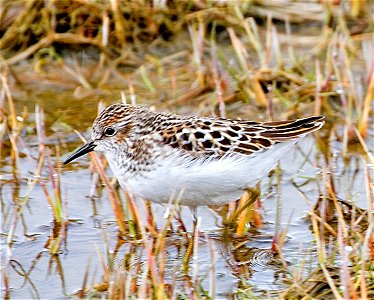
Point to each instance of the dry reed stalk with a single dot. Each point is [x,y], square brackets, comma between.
[197,39]
[59,230]
[276,48]
[55,202]
[83,290]
[189,253]
[21,23]
[331,230]
[77,74]
[369,187]
[195,252]
[213,268]
[133,222]
[247,69]
[151,224]
[12,110]
[364,122]
[345,278]
[114,200]
[69,38]
[322,258]
[318,100]
[6,285]
[240,51]
[144,287]
[118,21]
[364,146]
[157,280]
[219,82]
[181,226]
[160,242]
[251,29]
[190,95]
[105,269]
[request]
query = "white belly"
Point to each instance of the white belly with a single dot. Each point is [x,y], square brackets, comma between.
[202,182]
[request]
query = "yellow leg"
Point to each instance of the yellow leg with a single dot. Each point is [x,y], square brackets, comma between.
[252,194]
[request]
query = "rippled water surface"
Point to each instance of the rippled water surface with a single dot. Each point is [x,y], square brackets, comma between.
[287,195]
[33,272]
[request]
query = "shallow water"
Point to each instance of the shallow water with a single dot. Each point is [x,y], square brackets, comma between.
[33,272]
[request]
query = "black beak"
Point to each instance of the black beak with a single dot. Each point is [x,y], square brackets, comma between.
[86,148]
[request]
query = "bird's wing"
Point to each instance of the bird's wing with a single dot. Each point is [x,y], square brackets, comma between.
[219,137]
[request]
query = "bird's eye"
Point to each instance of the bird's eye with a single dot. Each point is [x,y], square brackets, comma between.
[109,131]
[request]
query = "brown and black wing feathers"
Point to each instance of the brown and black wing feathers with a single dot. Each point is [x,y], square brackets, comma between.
[219,137]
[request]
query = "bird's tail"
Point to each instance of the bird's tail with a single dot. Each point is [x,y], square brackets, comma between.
[288,130]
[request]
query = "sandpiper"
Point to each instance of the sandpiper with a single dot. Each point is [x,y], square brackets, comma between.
[213,161]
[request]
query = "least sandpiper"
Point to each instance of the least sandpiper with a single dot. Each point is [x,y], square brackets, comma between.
[212,161]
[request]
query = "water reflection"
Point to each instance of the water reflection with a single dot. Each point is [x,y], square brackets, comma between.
[90,253]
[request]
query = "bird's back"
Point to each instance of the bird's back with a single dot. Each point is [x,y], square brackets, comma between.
[214,160]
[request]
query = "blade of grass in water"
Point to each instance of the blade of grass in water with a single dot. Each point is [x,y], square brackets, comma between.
[114,201]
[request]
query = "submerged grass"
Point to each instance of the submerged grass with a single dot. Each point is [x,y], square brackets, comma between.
[257,71]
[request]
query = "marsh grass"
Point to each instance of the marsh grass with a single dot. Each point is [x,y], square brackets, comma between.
[261,74]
